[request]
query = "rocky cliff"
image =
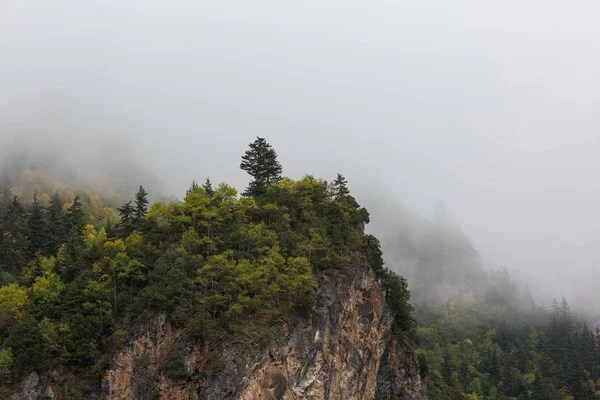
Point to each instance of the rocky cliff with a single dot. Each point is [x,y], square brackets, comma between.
[345,351]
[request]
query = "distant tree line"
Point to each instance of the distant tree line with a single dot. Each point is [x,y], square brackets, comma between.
[503,346]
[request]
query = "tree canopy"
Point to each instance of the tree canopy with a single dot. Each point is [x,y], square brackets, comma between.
[260,161]
[219,265]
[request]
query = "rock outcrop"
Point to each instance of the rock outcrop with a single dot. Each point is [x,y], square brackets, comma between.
[346,351]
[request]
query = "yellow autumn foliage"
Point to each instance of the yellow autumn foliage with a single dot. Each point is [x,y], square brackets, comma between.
[12,299]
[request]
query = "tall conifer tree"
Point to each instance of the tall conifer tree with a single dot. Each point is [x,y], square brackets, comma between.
[341,188]
[127,214]
[141,207]
[260,161]
[75,217]
[207,186]
[193,187]
[37,227]
[13,244]
[56,224]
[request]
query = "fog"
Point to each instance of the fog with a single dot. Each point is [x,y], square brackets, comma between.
[490,108]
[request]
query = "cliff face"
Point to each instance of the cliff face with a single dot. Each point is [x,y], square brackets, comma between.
[345,352]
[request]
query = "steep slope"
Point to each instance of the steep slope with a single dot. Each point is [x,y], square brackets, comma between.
[279,294]
[347,351]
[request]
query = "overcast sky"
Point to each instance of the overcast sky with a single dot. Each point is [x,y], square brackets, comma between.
[490,108]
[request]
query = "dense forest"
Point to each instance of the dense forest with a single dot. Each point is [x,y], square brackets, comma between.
[79,268]
[76,274]
[481,334]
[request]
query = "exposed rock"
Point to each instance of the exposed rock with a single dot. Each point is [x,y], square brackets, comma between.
[30,388]
[346,351]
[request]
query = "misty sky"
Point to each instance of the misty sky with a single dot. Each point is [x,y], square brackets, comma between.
[492,109]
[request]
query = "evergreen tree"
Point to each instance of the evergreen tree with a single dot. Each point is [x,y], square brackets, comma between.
[527,303]
[5,195]
[541,390]
[207,186]
[193,187]
[75,218]
[56,225]
[585,348]
[447,367]
[565,313]
[340,186]
[141,207]
[37,227]
[395,288]
[260,161]
[127,214]
[70,262]
[13,243]
[110,230]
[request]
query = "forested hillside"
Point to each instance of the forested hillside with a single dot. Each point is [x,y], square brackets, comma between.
[482,335]
[80,268]
[75,276]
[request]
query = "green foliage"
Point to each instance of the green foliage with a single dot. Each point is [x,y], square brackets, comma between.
[174,366]
[395,289]
[37,228]
[141,207]
[75,219]
[423,366]
[208,189]
[340,187]
[12,300]
[224,269]
[57,224]
[127,214]
[13,239]
[490,350]
[155,394]
[260,161]
[6,362]
[45,294]
[215,365]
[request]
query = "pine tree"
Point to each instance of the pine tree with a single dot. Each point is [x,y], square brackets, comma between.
[565,312]
[71,262]
[527,302]
[447,367]
[260,161]
[127,214]
[193,187]
[111,232]
[5,195]
[13,244]
[75,218]
[207,186]
[37,227]
[56,224]
[585,348]
[340,186]
[540,390]
[141,207]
